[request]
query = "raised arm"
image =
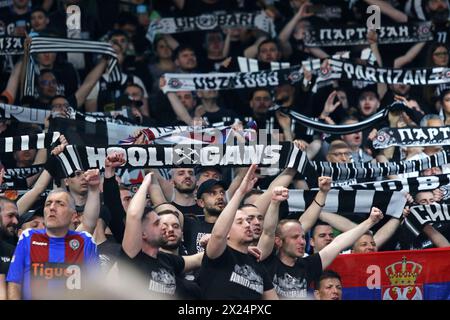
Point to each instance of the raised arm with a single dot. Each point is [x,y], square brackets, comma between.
[286,33]
[193,262]
[309,218]
[29,198]
[409,56]
[252,51]
[337,221]
[435,236]
[386,232]
[156,193]
[266,241]
[90,81]
[111,195]
[218,241]
[346,239]
[132,239]
[284,179]
[387,9]
[13,83]
[236,181]
[92,206]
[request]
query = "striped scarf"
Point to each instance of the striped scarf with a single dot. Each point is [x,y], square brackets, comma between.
[47,44]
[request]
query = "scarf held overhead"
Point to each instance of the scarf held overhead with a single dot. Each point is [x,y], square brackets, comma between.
[211,22]
[231,80]
[368,170]
[353,36]
[421,215]
[412,137]
[27,142]
[46,44]
[157,156]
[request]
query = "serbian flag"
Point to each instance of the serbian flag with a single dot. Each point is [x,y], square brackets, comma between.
[395,275]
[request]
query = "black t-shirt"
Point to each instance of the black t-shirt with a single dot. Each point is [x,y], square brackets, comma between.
[233,275]
[6,253]
[193,210]
[222,115]
[108,252]
[9,19]
[293,282]
[159,273]
[193,230]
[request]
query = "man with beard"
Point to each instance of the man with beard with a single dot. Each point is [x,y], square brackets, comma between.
[187,289]
[184,183]
[8,226]
[211,198]
[9,220]
[144,235]
[228,271]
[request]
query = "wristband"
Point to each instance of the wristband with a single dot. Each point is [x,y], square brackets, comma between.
[319,203]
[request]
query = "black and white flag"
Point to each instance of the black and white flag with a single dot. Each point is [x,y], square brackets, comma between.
[11,45]
[231,80]
[368,170]
[204,22]
[32,141]
[47,44]
[351,202]
[162,156]
[344,70]
[412,137]
[421,215]
[357,35]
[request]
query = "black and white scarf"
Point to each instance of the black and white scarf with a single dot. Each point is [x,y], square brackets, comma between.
[231,80]
[313,124]
[344,70]
[27,142]
[412,137]
[411,185]
[368,170]
[254,65]
[11,45]
[46,44]
[421,215]
[162,156]
[36,115]
[21,173]
[350,202]
[357,35]
[211,22]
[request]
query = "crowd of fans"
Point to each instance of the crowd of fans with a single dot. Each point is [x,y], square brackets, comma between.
[206,232]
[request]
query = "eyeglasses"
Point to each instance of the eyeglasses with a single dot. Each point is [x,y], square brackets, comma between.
[341,154]
[48,82]
[440,54]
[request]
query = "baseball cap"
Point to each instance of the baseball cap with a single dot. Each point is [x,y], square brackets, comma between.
[199,169]
[208,185]
[29,215]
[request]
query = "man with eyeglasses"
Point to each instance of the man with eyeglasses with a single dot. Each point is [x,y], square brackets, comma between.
[47,87]
[340,152]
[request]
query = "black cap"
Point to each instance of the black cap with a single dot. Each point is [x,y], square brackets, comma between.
[200,169]
[28,216]
[208,185]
